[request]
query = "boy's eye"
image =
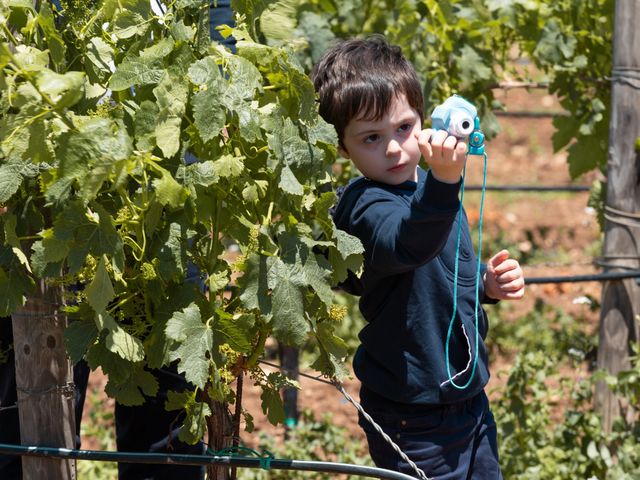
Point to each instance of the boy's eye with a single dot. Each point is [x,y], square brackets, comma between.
[371,138]
[405,127]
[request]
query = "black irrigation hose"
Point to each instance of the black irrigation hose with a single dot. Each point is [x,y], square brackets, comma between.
[202,460]
[596,277]
[531,188]
[529,114]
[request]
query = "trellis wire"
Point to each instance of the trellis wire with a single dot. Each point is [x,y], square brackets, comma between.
[387,438]
[373,423]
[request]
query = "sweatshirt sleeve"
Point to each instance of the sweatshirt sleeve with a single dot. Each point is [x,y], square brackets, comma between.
[399,236]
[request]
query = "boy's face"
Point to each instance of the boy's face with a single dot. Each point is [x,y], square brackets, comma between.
[385,150]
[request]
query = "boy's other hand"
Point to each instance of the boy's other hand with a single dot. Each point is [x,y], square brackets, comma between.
[444,153]
[504,279]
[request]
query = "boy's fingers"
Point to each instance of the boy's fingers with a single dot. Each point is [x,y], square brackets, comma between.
[507,265]
[514,295]
[435,146]
[498,258]
[508,276]
[450,143]
[424,136]
[449,148]
[438,137]
[423,142]
[512,285]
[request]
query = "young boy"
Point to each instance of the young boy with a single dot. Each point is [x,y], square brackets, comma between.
[407,220]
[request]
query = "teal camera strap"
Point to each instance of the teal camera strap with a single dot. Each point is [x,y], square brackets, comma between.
[476,147]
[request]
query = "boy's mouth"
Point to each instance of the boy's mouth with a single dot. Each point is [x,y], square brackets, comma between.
[400,166]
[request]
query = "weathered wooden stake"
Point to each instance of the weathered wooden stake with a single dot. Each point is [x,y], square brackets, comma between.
[621,299]
[44,379]
[220,435]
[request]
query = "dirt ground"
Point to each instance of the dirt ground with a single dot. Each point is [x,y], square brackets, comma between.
[556,231]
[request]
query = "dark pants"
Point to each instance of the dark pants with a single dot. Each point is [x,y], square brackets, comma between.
[455,442]
[145,428]
[221,14]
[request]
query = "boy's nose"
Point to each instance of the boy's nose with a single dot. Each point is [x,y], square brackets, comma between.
[393,147]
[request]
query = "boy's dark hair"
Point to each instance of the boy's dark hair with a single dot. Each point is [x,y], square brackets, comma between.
[359,78]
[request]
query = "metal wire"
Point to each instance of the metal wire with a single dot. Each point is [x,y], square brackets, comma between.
[630,215]
[68,390]
[11,407]
[29,314]
[387,438]
[317,378]
[629,219]
[629,76]
[373,423]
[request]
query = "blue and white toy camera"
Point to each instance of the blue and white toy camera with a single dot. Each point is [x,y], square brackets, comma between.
[460,118]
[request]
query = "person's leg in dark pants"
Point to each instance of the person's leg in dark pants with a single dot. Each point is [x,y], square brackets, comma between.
[151,428]
[10,465]
[81,372]
[221,14]
[452,442]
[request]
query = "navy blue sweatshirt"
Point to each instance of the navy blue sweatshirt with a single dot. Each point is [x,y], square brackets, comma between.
[409,232]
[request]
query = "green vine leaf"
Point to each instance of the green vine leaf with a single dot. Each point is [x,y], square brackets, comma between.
[333,352]
[208,114]
[117,340]
[289,324]
[80,232]
[128,383]
[195,424]
[228,166]
[90,155]
[194,344]
[169,191]
[14,286]
[63,90]
[10,180]
[78,337]
[254,284]
[100,291]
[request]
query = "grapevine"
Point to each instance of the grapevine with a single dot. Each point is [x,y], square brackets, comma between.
[134,152]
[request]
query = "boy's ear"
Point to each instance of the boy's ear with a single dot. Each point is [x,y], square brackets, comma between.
[343,152]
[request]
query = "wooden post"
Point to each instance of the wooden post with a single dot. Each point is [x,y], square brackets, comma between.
[220,435]
[621,299]
[44,379]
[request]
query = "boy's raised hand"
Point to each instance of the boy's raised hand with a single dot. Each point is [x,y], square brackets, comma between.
[444,153]
[504,279]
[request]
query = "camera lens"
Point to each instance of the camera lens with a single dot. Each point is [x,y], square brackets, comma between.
[461,124]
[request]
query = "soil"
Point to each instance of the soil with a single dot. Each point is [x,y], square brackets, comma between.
[552,233]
